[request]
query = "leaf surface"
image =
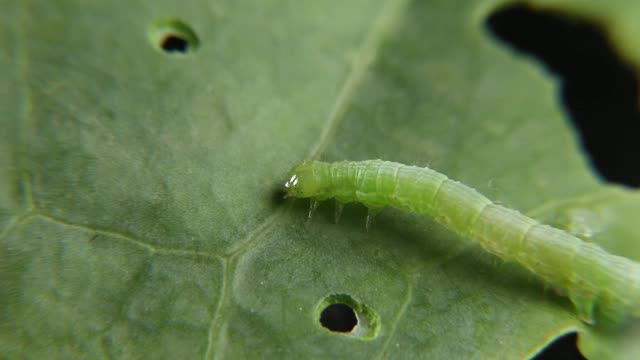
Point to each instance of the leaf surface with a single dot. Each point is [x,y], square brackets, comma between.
[137,212]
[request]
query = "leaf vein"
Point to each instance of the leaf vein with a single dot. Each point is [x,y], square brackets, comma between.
[389,16]
[12,224]
[403,309]
[216,321]
[128,238]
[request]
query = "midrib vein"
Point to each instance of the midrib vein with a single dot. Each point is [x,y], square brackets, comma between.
[389,16]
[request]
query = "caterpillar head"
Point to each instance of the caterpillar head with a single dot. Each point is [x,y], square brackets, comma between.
[305,180]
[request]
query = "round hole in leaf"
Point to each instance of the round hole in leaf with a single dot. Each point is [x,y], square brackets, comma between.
[344,315]
[339,318]
[173,36]
[173,43]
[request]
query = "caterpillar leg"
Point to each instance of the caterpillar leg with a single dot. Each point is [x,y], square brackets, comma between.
[338,212]
[374,202]
[585,307]
[371,214]
[313,205]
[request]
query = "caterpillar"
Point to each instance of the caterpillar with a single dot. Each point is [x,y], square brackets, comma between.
[598,284]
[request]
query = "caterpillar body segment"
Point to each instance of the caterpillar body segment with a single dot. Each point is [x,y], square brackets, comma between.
[594,280]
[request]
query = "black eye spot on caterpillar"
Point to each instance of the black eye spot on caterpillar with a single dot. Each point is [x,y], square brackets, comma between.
[591,277]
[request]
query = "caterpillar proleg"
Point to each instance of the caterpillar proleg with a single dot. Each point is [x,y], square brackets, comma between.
[594,280]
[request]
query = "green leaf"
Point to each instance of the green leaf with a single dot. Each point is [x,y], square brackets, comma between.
[142,144]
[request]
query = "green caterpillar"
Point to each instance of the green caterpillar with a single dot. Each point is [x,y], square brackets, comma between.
[593,279]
